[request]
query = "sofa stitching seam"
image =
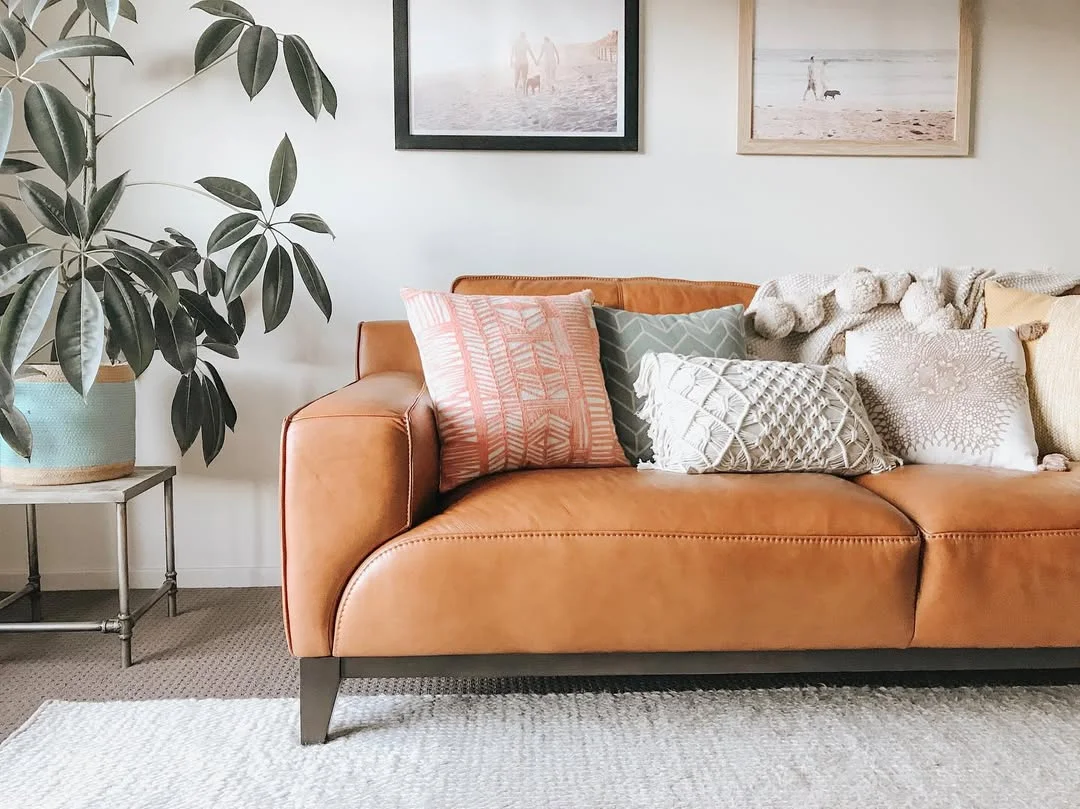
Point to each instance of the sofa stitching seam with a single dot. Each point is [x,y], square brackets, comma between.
[985,535]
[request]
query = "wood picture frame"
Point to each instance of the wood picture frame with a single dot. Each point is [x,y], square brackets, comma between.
[865,125]
[586,76]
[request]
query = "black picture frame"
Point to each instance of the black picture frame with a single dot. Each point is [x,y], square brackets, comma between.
[628,141]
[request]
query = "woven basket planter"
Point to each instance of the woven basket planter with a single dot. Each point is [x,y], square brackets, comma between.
[75,441]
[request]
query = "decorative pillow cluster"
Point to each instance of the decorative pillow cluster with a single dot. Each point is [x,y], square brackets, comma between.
[516,382]
[1053,362]
[958,397]
[710,415]
[625,339]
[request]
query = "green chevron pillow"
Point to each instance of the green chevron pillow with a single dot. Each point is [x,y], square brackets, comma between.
[625,339]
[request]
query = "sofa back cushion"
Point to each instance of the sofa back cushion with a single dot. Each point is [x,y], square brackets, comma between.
[652,296]
[389,345]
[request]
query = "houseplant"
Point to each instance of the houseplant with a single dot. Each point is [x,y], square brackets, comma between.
[105,292]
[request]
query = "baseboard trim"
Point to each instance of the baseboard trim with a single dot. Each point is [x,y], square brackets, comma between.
[210,578]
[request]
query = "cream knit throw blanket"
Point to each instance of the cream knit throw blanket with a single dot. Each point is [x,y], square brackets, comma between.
[802,318]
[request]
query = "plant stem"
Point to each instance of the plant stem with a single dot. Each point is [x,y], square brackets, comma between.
[91,173]
[131,235]
[22,21]
[193,190]
[158,98]
[90,178]
[39,349]
[11,197]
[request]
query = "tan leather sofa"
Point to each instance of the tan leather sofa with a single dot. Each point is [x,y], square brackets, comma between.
[624,571]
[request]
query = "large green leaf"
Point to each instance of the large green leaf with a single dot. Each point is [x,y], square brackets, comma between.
[46,206]
[7,388]
[175,338]
[56,128]
[130,322]
[104,11]
[313,280]
[224,349]
[7,119]
[128,11]
[203,311]
[232,230]
[227,406]
[312,222]
[16,263]
[104,203]
[329,94]
[215,42]
[213,421]
[80,335]
[283,173]
[238,316]
[148,270]
[213,278]
[85,46]
[244,266]
[76,219]
[12,165]
[12,38]
[277,290]
[257,58]
[183,260]
[187,411]
[15,430]
[305,74]
[233,192]
[26,316]
[11,229]
[225,8]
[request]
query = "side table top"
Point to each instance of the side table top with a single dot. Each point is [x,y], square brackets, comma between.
[107,491]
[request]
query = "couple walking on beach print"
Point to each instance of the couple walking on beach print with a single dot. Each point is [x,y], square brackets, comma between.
[815,79]
[548,62]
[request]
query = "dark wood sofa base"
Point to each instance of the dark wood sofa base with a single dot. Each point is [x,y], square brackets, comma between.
[321,677]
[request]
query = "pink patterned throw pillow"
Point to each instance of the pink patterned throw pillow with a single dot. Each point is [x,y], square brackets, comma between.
[516,382]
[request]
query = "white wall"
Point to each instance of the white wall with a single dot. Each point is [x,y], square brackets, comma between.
[686,206]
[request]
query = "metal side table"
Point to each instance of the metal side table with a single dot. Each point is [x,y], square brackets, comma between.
[116,492]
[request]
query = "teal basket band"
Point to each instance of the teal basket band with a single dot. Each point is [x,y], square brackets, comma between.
[70,433]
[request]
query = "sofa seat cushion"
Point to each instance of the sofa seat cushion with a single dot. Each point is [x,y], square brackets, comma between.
[1001,565]
[621,560]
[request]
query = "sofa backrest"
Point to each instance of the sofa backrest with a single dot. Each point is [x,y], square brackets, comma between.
[653,296]
[389,345]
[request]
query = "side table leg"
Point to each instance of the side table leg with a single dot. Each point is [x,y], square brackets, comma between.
[32,563]
[124,617]
[170,547]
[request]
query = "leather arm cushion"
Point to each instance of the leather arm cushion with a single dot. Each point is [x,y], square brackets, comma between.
[358,467]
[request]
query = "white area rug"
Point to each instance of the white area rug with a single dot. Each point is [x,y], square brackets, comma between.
[834,748]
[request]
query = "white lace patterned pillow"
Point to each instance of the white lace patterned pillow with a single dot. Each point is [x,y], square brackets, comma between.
[709,415]
[959,397]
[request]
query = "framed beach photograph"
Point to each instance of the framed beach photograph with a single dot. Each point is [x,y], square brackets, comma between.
[856,77]
[527,75]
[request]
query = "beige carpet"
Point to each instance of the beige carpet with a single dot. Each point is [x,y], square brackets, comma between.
[229,644]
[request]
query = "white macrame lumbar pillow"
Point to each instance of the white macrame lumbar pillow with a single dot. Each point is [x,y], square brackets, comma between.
[709,415]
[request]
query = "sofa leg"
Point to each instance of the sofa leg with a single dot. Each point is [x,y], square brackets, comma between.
[319,681]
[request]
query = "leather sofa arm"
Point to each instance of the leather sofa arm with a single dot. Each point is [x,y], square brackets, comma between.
[358,467]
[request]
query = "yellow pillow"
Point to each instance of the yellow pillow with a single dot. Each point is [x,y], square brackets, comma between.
[1053,362]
